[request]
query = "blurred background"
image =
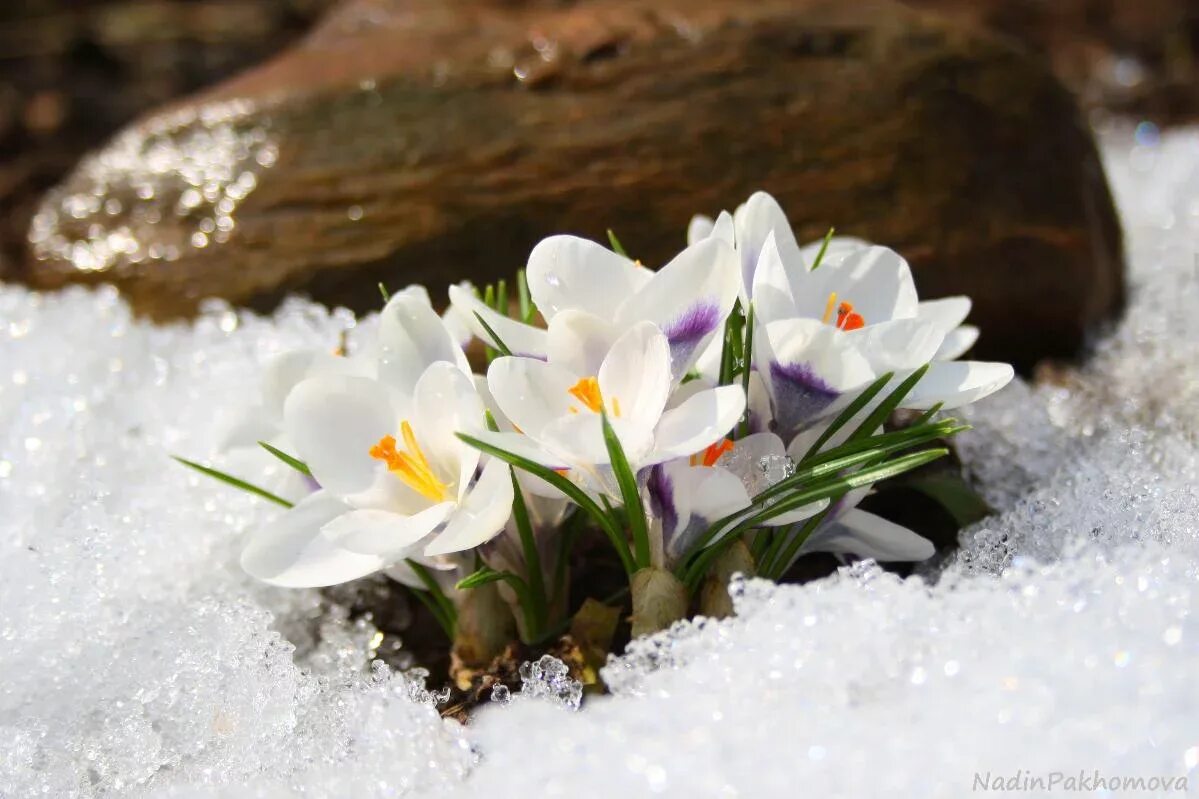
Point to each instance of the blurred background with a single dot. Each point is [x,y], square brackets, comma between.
[958,130]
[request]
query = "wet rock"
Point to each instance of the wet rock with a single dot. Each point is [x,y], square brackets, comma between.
[73,72]
[432,141]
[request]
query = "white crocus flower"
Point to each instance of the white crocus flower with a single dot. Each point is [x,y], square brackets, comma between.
[556,404]
[395,479]
[688,299]
[824,335]
[748,228]
[760,221]
[688,495]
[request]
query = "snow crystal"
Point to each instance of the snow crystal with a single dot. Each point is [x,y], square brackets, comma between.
[136,660]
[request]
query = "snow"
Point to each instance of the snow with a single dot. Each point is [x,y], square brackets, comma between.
[136,660]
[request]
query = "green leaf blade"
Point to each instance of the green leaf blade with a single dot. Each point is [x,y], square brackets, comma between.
[236,482]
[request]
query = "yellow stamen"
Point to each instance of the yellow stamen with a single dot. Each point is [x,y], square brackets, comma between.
[828,308]
[587,391]
[411,466]
[616,406]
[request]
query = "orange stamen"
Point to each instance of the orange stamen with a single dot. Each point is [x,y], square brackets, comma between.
[712,454]
[411,465]
[587,391]
[847,319]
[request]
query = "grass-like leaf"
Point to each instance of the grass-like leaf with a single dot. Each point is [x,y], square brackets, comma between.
[294,463]
[482,576]
[528,544]
[773,564]
[885,408]
[501,297]
[858,479]
[823,249]
[819,490]
[572,492]
[439,604]
[733,350]
[496,341]
[617,247]
[953,494]
[236,482]
[527,309]
[836,460]
[629,493]
[850,411]
[747,366]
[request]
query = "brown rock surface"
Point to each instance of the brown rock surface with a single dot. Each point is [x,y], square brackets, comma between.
[431,141]
[1136,57]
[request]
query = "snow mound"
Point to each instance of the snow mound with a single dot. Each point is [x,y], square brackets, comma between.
[136,660]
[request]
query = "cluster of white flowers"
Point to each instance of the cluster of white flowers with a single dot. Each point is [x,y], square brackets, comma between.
[717,374]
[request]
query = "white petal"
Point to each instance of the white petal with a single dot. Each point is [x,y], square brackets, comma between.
[380,532]
[581,438]
[700,421]
[717,494]
[333,421]
[946,313]
[876,280]
[480,516]
[760,415]
[688,299]
[634,378]
[446,404]
[532,393]
[669,490]
[897,344]
[708,363]
[810,370]
[286,371]
[578,341]
[291,551]
[566,272]
[724,229]
[772,290]
[863,534]
[443,570]
[692,498]
[457,320]
[518,337]
[957,342]
[957,383]
[760,216]
[411,338]
[699,228]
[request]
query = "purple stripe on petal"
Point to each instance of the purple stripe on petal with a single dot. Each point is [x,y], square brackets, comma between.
[799,395]
[688,330]
[661,499]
